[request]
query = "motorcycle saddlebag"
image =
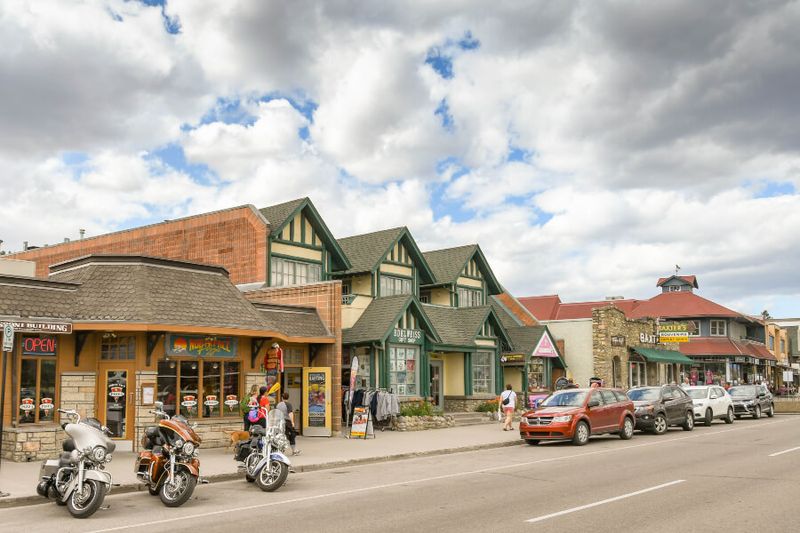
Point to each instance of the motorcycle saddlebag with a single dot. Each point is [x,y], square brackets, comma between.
[242,451]
[49,468]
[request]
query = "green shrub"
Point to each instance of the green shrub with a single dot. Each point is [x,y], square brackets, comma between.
[487,407]
[416,409]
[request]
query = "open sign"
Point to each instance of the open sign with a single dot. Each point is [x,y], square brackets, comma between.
[27,404]
[211,401]
[47,404]
[189,401]
[38,345]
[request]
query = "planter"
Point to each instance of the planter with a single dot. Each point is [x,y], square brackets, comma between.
[421,423]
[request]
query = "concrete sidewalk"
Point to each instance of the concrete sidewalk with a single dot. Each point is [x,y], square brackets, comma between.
[19,479]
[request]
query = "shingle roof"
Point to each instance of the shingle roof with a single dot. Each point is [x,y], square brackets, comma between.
[277,215]
[525,338]
[448,264]
[34,298]
[457,326]
[504,314]
[380,315]
[366,251]
[292,320]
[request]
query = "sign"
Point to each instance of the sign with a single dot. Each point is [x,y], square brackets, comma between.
[189,401]
[317,395]
[646,338]
[47,404]
[232,401]
[362,423]
[8,338]
[353,375]
[788,375]
[675,331]
[406,336]
[148,394]
[618,340]
[116,391]
[211,401]
[27,404]
[545,348]
[512,359]
[25,326]
[39,345]
[200,345]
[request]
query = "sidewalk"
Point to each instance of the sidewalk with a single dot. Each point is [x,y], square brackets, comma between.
[318,453]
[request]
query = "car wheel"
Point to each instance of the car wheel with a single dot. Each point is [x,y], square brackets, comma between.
[709,417]
[660,424]
[532,442]
[688,424]
[771,411]
[729,416]
[627,429]
[581,436]
[757,412]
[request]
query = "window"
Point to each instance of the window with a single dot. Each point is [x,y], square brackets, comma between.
[113,348]
[718,328]
[637,376]
[37,390]
[403,370]
[783,346]
[536,374]
[694,327]
[616,374]
[469,297]
[620,396]
[673,288]
[391,286]
[772,342]
[608,397]
[483,373]
[425,297]
[203,387]
[292,356]
[284,272]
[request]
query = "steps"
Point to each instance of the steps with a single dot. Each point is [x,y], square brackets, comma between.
[471,419]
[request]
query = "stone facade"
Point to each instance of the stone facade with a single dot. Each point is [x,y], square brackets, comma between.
[32,442]
[420,423]
[464,404]
[78,391]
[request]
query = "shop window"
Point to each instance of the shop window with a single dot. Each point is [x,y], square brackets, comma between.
[616,372]
[403,370]
[483,373]
[693,327]
[772,342]
[293,356]
[469,297]
[536,374]
[37,390]
[199,388]
[638,374]
[284,272]
[718,328]
[113,348]
[391,286]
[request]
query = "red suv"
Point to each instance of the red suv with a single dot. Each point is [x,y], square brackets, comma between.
[576,414]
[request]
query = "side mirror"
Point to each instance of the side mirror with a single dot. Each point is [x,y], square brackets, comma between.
[159,406]
[593,403]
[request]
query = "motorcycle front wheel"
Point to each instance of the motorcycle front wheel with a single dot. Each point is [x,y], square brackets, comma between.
[177,493]
[84,501]
[272,476]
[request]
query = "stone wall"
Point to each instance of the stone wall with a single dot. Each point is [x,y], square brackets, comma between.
[78,391]
[464,404]
[32,442]
[420,423]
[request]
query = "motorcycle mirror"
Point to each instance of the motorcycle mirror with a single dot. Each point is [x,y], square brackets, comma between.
[159,405]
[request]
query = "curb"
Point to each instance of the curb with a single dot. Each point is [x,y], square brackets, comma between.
[127,488]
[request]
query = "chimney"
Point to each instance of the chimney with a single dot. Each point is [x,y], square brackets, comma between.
[612,298]
[25,246]
[82,232]
[66,239]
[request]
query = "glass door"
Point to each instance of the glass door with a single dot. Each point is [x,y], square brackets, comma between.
[117,391]
[437,388]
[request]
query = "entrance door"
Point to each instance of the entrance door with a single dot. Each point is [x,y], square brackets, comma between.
[293,384]
[117,393]
[437,383]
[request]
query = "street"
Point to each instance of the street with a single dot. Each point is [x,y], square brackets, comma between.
[740,477]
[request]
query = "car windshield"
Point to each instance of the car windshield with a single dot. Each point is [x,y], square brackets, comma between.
[565,399]
[745,392]
[697,394]
[644,395]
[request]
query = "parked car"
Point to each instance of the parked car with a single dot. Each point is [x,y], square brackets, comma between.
[657,408]
[711,402]
[576,414]
[753,400]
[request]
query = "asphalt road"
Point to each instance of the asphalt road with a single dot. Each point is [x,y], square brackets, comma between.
[728,478]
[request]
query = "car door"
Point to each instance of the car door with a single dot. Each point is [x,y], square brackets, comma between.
[682,404]
[668,397]
[611,410]
[597,414]
[719,405]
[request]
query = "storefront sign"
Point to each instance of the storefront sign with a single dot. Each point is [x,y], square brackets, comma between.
[39,345]
[46,405]
[25,326]
[617,340]
[231,400]
[189,401]
[317,413]
[646,338]
[406,336]
[27,404]
[211,401]
[674,331]
[512,359]
[361,423]
[201,346]
[545,348]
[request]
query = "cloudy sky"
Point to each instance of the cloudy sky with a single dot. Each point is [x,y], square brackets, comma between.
[589,147]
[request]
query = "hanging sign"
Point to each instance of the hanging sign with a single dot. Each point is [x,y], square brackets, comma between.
[47,404]
[211,401]
[545,348]
[25,326]
[406,336]
[316,392]
[362,423]
[27,404]
[232,401]
[189,401]
[38,345]
[201,345]
[675,331]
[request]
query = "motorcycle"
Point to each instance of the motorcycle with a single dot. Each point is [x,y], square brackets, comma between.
[78,478]
[168,464]
[262,456]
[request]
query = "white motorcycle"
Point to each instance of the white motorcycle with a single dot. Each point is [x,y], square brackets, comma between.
[78,478]
[263,457]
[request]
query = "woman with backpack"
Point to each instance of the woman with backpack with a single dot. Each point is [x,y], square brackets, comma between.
[508,400]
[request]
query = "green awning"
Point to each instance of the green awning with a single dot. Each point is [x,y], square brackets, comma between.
[655,355]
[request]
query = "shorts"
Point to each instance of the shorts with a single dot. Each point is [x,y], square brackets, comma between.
[508,409]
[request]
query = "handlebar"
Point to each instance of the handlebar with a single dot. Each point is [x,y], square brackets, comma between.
[72,413]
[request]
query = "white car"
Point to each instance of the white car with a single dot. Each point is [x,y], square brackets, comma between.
[710,402]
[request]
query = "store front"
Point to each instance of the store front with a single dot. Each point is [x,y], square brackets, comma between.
[656,366]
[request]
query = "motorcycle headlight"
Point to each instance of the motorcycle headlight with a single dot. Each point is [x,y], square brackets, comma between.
[99,454]
[178,443]
[563,418]
[188,448]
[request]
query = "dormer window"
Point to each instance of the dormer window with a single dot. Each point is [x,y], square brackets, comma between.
[718,328]
[673,288]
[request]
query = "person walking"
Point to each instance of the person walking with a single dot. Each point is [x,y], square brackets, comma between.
[508,399]
[246,405]
[288,417]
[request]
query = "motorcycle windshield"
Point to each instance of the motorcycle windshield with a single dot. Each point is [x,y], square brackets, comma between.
[275,419]
[86,436]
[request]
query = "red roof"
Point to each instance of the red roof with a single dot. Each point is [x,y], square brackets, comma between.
[514,306]
[699,346]
[682,304]
[584,309]
[691,280]
[542,307]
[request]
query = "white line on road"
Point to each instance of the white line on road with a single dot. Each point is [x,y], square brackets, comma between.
[603,502]
[784,451]
[425,480]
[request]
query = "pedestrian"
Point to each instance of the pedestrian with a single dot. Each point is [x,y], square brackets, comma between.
[246,404]
[258,415]
[508,399]
[288,421]
[685,382]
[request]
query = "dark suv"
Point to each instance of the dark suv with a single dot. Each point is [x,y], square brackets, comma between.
[657,408]
[751,400]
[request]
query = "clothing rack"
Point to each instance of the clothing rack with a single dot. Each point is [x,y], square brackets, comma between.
[382,409]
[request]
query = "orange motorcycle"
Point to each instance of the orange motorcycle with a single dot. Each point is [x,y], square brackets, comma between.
[168,465]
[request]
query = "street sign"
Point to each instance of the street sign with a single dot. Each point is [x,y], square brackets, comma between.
[8,337]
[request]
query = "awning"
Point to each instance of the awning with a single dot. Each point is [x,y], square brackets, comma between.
[655,355]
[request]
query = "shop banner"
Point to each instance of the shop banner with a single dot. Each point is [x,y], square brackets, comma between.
[406,336]
[200,345]
[674,331]
[362,424]
[545,348]
[353,376]
[24,326]
[317,392]
[512,359]
[39,346]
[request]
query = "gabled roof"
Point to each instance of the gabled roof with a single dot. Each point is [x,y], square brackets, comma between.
[459,326]
[448,264]
[551,308]
[380,317]
[691,280]
[525,340]
[542,307]
[513,307]
[367,251]
[280,214]
[682,304]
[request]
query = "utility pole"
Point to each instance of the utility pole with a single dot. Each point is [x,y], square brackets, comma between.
[8,349]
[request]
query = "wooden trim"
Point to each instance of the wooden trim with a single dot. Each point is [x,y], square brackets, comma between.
[298,244]
[203,330]
[299,259]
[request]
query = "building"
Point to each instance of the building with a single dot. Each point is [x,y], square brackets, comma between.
[108,335]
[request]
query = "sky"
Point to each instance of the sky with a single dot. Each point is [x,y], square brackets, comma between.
[588,147]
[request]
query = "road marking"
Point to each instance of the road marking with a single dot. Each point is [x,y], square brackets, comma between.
[425,480]
[784,451]
[603,502]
